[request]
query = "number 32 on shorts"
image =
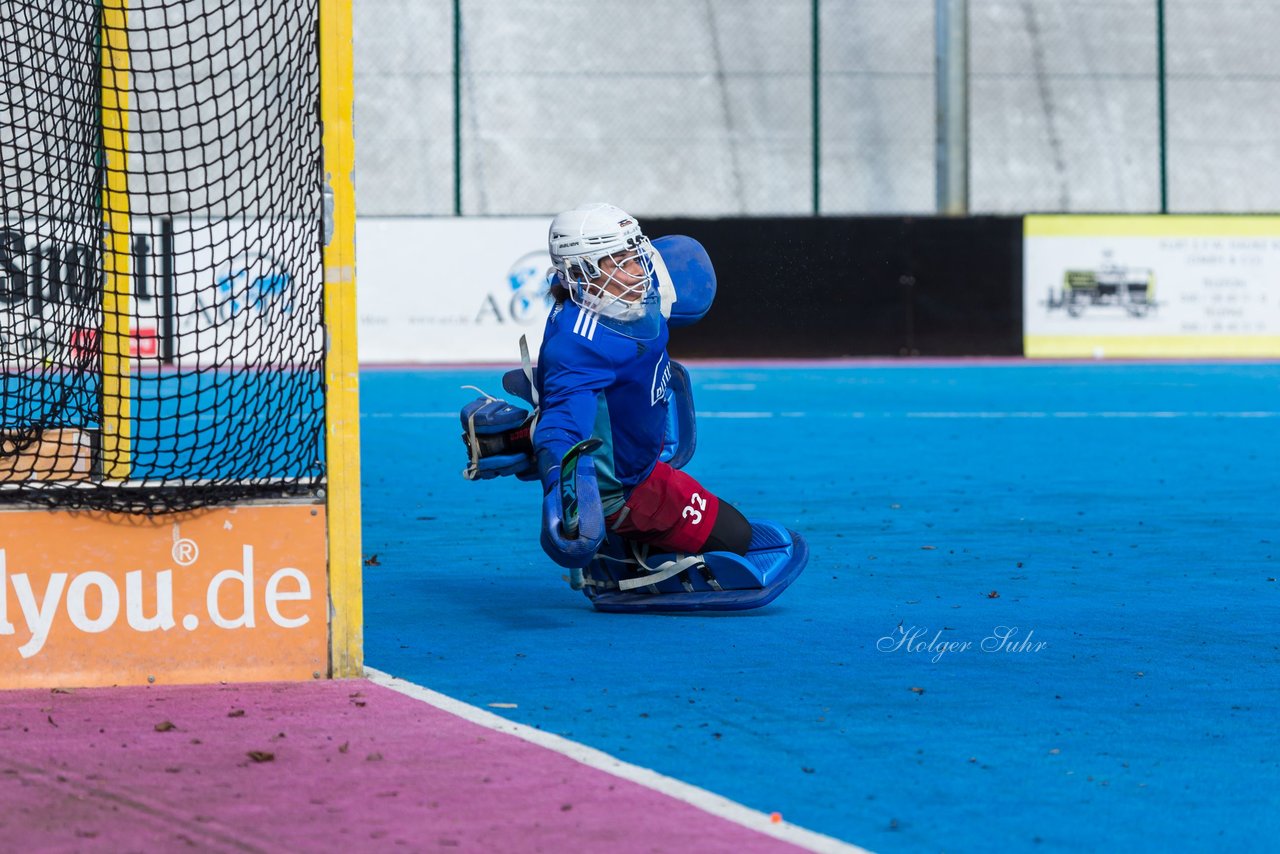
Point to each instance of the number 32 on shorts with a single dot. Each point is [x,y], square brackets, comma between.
[694,510]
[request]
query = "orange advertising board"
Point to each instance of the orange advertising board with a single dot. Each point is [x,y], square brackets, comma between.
[233,593]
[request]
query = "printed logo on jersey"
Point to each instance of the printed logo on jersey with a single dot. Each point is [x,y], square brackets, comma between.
[586,324]
[661,378]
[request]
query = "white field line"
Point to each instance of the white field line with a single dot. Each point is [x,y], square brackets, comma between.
[702,799]
[411,415]
[753,414]
[768,413]
[1105,414]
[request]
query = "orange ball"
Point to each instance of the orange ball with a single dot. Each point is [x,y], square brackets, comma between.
[775,817]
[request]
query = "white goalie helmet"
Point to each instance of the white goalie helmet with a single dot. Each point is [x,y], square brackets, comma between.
[605,261]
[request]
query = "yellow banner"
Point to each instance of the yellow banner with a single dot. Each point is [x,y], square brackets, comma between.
[1138,347]
[1043,225]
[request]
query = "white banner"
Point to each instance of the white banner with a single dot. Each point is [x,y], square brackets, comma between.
[450,290]
[242,291]
[1151,286]
[246,291]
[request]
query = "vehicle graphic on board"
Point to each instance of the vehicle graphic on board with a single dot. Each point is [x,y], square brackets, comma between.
[1108,286]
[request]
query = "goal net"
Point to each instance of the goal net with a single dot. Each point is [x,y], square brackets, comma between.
[162,228]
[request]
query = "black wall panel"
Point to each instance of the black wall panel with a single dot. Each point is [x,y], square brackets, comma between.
[856,286]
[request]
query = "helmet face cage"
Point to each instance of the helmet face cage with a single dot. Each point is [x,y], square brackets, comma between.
[607,264]
[610,283]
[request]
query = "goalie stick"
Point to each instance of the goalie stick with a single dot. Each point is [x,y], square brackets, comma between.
[569,496]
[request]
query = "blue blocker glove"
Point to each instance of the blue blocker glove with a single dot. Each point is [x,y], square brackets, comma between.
[573,553]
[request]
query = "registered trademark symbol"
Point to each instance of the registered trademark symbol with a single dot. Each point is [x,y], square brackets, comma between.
[185,552]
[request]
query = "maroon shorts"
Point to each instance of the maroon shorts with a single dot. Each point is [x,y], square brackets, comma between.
[669,510]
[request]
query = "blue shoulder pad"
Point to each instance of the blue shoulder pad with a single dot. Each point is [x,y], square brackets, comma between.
[685,267]
[682,421]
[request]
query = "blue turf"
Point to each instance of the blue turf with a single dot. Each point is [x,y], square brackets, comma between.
[1125,514]
[190,425]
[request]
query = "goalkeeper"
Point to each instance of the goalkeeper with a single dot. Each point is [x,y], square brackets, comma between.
[603,371]
[648,536]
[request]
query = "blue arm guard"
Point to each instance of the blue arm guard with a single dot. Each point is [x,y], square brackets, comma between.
[578,552]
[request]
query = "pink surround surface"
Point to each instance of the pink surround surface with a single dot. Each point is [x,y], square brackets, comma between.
[340,765]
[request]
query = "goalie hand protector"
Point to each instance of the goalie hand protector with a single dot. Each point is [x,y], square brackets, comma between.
[499,440]
[577,552]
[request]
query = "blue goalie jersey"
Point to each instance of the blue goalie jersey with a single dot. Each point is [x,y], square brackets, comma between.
[593,381]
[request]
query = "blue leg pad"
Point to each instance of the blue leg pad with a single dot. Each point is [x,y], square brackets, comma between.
[715,581]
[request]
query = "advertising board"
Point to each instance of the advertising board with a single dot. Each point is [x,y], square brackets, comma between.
[1151,286]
